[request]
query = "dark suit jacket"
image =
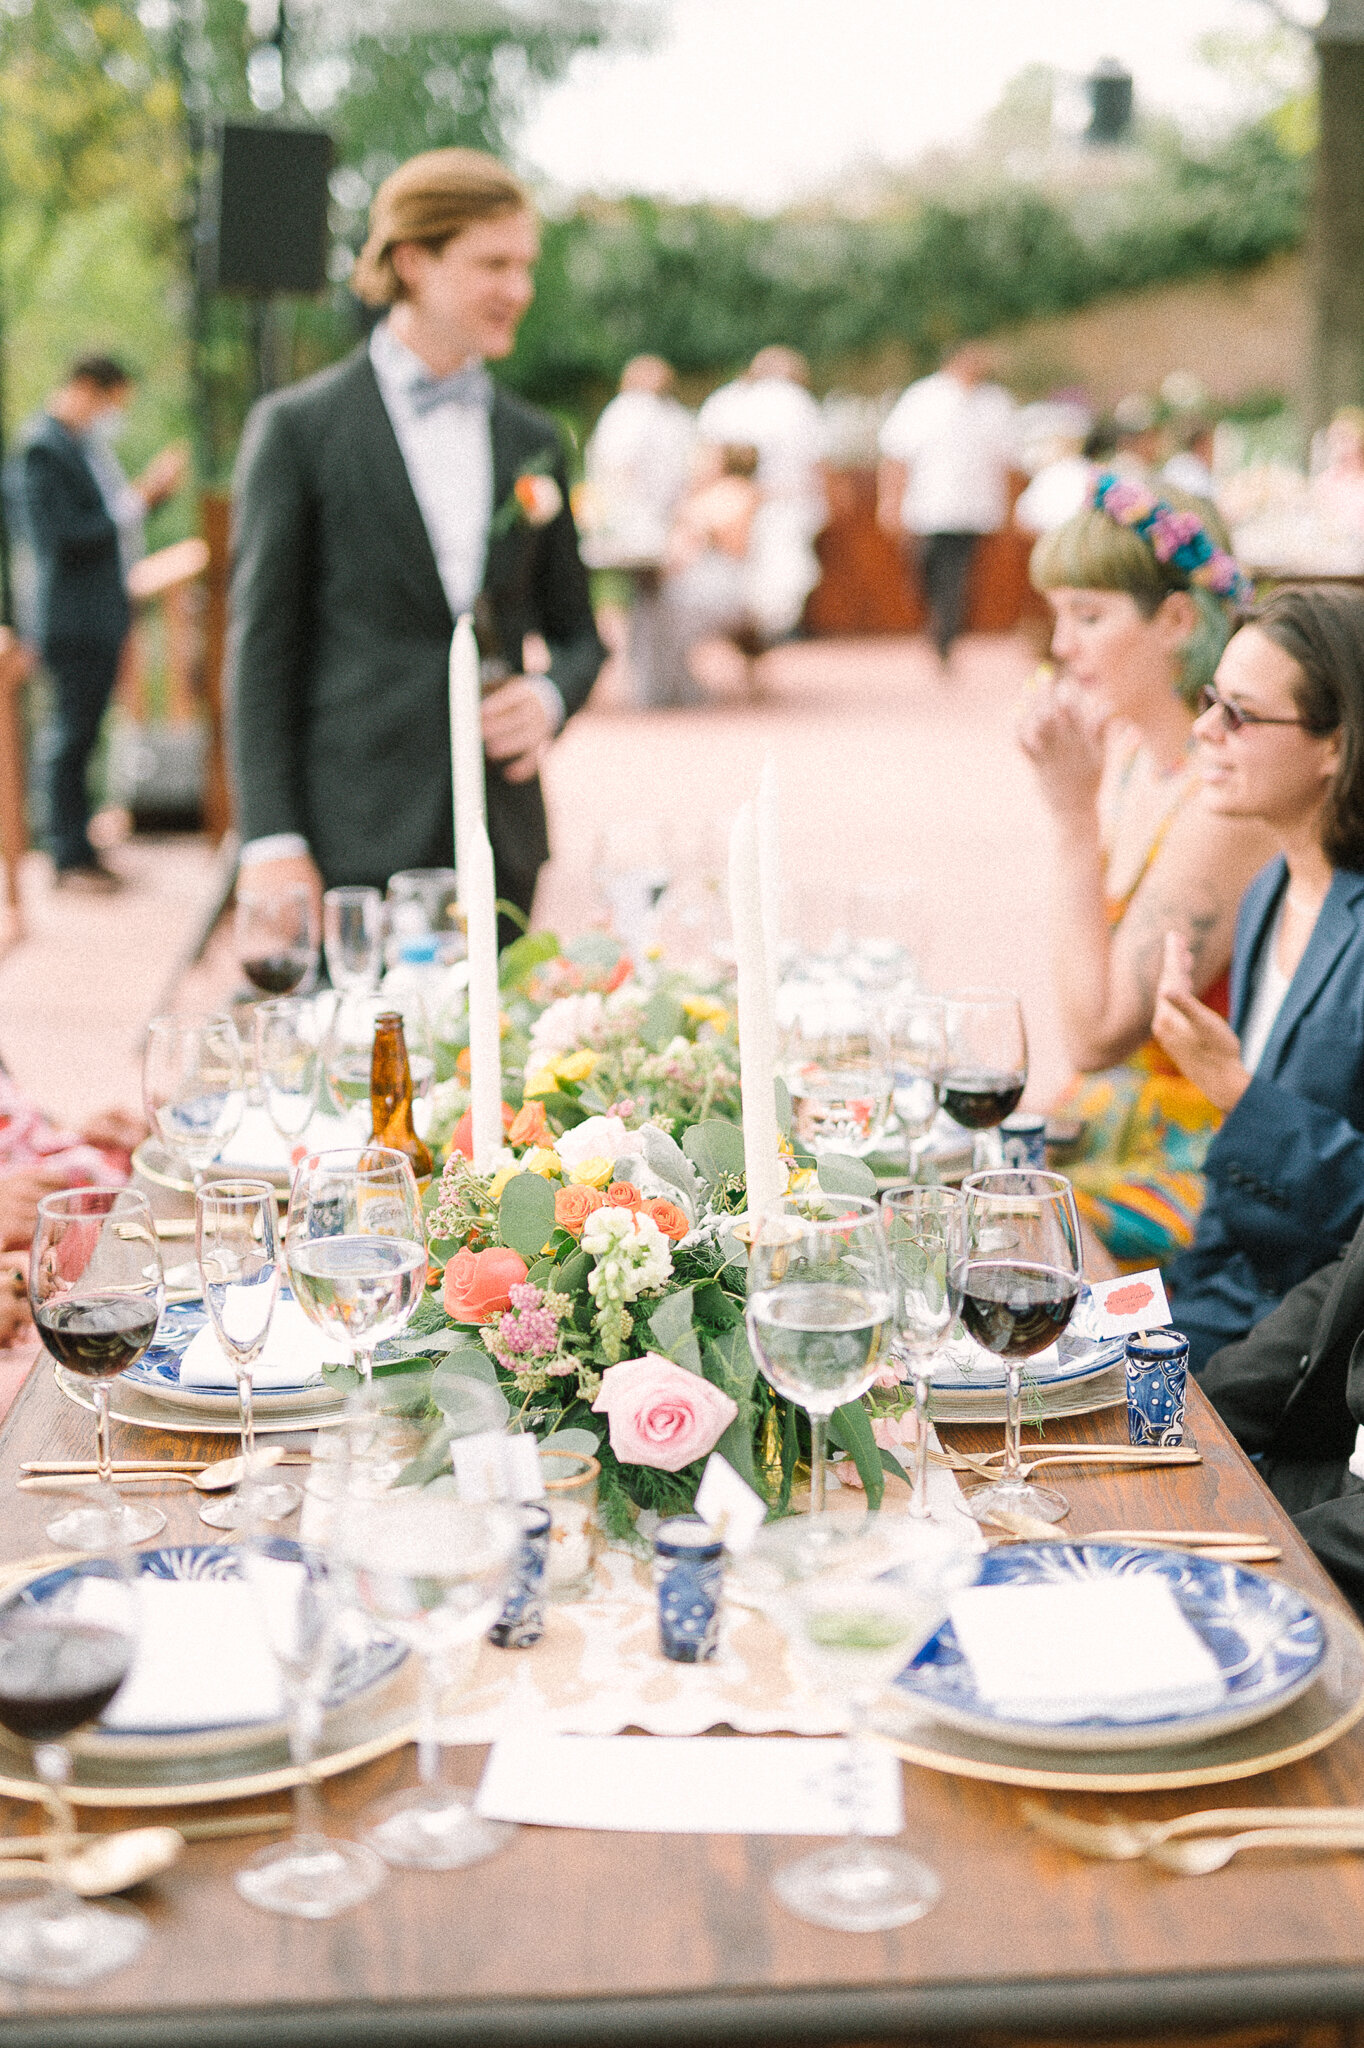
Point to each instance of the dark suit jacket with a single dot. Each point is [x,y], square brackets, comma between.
[339,637]
[57,504]
[1292,1393]
[1286,1171]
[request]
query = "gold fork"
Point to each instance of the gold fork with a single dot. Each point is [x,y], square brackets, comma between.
[1124,1841]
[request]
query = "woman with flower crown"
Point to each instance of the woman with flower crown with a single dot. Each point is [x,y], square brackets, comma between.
[1142,591]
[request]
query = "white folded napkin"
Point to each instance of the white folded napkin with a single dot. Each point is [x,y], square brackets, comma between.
[294,1355]
[1116,1648]
[203,1656]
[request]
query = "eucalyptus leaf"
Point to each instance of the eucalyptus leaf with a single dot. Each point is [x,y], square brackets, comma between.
[890,1463]
[715,1148]
[573,1273]
[525,1215]
[785,1109]
[670,1326]
[470,1406]
[524,955]
[432,1458]
[583,1441]
[593,949]
[565,1109]
[735,1354]
[664,1018]
[468,1364]
[429,1346]
[541,1273]
[665,1158]
[850,1429]
[841,1174]
[737,1446]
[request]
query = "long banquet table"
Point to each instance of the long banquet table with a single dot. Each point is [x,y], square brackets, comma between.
[605,1938]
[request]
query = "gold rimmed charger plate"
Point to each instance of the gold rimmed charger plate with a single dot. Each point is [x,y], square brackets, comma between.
[1320,1717]
[1104,1389]
[158,1165]
[147,1411]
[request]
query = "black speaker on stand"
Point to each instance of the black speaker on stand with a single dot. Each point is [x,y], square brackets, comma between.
[265,224]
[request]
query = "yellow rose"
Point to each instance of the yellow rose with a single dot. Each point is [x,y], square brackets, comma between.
[576,1066]
[500,1179]
[544,1160]
[705,1010]
[544,1082]
[800,1180]
[593,1173]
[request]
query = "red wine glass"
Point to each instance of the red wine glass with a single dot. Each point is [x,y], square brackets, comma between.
[986,1069]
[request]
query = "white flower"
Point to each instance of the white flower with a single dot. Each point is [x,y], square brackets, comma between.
[601,1137]
[562,1027]
[631,1251]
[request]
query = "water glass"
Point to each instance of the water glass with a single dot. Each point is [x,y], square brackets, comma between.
[236,1243]
[837,1067]
[288,1062]
[356,1246]
[916,1028]
[353,937]
[192,1086]
[921,1227]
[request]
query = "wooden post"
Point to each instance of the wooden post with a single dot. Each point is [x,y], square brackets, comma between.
[1338,228]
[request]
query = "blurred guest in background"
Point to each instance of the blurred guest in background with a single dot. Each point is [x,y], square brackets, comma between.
[1190,467]
[708,573]
[1141,444]
[947,450]
[770,408]
[84,523]
[1338,487]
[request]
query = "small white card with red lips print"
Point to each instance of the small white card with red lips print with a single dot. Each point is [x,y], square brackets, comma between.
[1121,1307]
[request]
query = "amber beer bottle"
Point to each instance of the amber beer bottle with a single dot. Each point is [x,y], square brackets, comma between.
[390,1095]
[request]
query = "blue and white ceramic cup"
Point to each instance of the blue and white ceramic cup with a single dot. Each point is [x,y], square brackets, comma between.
[1157,1381]
[522,1620]
[688,1576]
[1024,1139]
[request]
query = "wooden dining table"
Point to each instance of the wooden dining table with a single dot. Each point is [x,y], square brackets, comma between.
[603,1938]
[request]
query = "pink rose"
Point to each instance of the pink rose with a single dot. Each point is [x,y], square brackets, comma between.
[660,1414]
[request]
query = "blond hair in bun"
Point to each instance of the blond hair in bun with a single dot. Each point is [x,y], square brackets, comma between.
[431,199]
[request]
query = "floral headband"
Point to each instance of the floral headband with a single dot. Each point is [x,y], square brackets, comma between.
[1176,538]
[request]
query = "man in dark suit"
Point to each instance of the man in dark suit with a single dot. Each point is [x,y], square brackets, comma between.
[83,521]
[375,502]
[1292,1393]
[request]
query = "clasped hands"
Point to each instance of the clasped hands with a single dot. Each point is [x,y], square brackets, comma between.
[1202,1045]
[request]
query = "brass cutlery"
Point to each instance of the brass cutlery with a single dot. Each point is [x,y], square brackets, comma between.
[1126,1841]
[1212,1852]
[1231,1547]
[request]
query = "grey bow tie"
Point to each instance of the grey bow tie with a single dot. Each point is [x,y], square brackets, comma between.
[470,386]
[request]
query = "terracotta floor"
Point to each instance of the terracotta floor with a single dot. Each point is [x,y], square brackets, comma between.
[891,776]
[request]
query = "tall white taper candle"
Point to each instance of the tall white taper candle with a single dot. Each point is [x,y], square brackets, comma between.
[769,870]
[757,1035]
[466,741]
[479,896]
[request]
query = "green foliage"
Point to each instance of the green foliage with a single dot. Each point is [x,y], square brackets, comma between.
[841,1174]
[526,1214]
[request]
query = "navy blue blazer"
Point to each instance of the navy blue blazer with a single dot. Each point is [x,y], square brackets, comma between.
[1286,1171]
[79,590]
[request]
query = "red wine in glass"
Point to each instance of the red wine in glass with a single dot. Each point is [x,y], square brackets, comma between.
[58,1672]
[96,1338]
[277,974]
[1014,1308]
[981,1101]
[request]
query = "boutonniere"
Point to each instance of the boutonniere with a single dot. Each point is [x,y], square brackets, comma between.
[533,500]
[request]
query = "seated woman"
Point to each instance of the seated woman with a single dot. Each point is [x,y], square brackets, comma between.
[1141,589]
[1281,744]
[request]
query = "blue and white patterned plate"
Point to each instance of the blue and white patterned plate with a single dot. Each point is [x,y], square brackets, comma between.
[364,1660]
[158,1371]
[1267,1639]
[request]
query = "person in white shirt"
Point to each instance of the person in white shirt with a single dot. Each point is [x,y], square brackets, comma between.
[770,408]
[947,449]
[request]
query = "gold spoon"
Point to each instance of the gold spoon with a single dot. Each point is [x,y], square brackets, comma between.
[111,1863]
[219,1477]
[1124,1841]
[1211,1852]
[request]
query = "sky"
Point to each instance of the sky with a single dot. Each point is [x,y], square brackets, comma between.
[762,101]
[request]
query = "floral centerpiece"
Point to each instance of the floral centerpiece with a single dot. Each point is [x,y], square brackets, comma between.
[595,1281]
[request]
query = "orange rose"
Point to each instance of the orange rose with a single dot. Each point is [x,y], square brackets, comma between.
[463,1140]
[478,1284]
[530,1126]
[623,1194]
[669,1219]
[573,1206]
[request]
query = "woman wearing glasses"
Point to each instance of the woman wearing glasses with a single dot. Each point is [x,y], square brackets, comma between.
[1281,743]
[1142,591]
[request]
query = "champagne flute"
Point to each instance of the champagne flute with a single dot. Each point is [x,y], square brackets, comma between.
[96,1289]
[276,939]
[356,1246]
[916,1027]
[192,1086]
[1016,1276]
[921,1230]
[986,1069]
[288,1062]
[237,1246]
[821,1307]
[434,1571]
[851,1629]
[312,1875]
[353,938]
[59,1668]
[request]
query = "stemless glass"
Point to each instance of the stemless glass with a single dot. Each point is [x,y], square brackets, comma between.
[353,937]
[837,1063]
[916,1028]
[821,1306]
[986,1069]
[192,1086]
[59,1667]
[96,1289]
[434,1571]
[276,939]
[288,1061]
[356,1246]
[1017,1272]
[851,1629]
[237,1245]
[921,1231]
[312,1875]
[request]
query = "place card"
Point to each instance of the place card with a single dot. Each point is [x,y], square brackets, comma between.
[1135,1301]
[1117,1648]
[735,1512]
[689,1785]
[492,1466]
